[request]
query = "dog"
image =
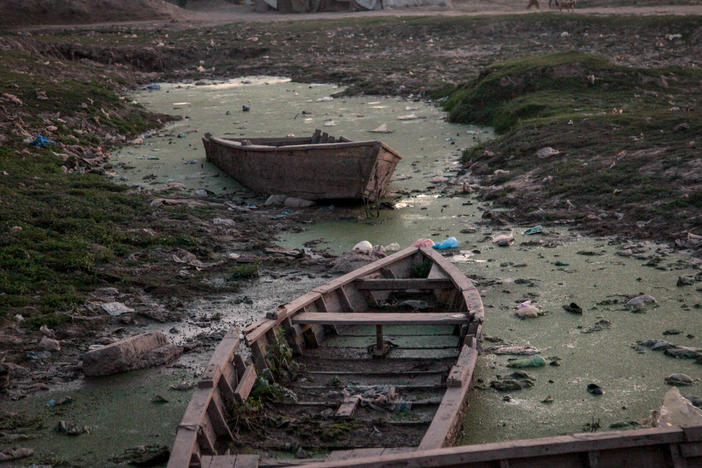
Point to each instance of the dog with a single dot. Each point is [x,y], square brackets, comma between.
[569,5]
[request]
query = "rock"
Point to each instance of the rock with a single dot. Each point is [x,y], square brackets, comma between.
[656,345]
[136,352]
[573,308]
[677,410]
[594,389]
[116,309]
[46,331]
[275,200]
[223,222]
[547,152]
[9,454]
[641,301]
[49,344]
[533,361]
[292,202]
[679,380]
[683,352]
[685,281]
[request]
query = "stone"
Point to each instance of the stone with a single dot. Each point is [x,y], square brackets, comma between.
[135,352]
[116,309]
[49,344]
[547,152]
[679,380]
[293,202]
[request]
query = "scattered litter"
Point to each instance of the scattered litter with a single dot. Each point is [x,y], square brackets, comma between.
[678,410]
[641,301]
[672,37]
[547,152]
[223,222]
[12,98]
[70,429]
[523,350]
[449,243]
[407,117]
[325,99]
[116,309]
[527,310]
[602,324]
[41,141]
[329,123]
[182,386]
[503,240]
[392,247]
[158,399]
[382,128]
[594,389]
[9,454]
[293,202]
[423,243]
[522,363]
[363,247]
[245,108]
[517,380]
[153,87]
[49,344]
[535,230]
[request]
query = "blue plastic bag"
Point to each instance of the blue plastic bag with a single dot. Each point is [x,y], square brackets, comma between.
[446,244]
[534,230]
[41,141]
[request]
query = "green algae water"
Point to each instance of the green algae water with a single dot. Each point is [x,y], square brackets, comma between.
[551,269]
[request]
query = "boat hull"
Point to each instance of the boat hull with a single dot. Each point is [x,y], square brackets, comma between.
[322,171]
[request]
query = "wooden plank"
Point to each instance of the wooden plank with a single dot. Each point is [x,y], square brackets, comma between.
[344,300]
[521,449]
[337,455]
[348,406]
[402,284]
[239,364]
[448,416]
[676,458]
[691,449]
[230,461]
[223,354]
[246,461]
[185,449]
[246,383]
[593,459]
[474,303]
[365,270]
[258,354]
[378,318]
[207,437]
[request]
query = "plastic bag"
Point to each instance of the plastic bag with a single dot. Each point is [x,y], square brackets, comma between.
[449,243]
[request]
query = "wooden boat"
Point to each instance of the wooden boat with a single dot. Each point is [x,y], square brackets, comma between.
[319,167]
[384,357]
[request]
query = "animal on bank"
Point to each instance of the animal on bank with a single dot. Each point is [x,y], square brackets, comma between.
[567,4]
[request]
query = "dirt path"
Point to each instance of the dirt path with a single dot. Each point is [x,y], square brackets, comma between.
[218,15]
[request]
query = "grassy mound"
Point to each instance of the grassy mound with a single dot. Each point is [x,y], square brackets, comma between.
[627,141]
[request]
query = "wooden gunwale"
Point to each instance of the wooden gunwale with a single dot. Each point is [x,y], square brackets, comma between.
[518,452]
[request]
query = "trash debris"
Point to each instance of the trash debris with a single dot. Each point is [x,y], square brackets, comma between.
[158,399]
[325,99]
[392,247]
[527,310]
[116,309]
[523,363]
[449,243]
[423,243]
[70,429]
[41,141]
[600,325]
[517,380]
[535,230]
[63,401]
[642,301]
[223,222]
[407,117]
[144,455]
[182,386]
[363,247]
[594,389]
[135,352]
[293,202]
[573,308]
[275,200]
[547,152]
[153,87]
[679,380]
[382,128]
[49,344]
[12,98]
[503,240]
[10,453]
[523,350]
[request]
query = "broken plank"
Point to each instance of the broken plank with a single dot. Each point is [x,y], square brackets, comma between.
[461,373]
[348,406]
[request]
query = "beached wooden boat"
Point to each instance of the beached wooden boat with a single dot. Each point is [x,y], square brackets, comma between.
[319,167]
[384,358]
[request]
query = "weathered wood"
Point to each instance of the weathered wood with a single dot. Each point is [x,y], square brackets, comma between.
[344,300]
[403,284]
[348,170]
[219,422]
[246,383]
[691,449]
[676,458]
[459,279]
[230,461]
[378,318]
[593,459]
[258,354]
[448,416]
[185,449]
[576,445]
[223,354]
[348,406]
[239,364]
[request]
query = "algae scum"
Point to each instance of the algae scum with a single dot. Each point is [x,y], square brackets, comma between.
[552,269]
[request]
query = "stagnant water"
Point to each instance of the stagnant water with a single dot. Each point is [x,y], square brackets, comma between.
[120,410]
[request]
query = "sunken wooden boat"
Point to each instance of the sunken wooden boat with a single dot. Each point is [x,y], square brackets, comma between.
[384,358]
[319,167]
